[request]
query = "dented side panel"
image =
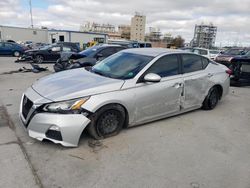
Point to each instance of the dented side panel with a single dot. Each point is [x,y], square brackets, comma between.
[196,85]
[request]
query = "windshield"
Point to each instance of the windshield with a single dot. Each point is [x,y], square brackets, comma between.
[214,52]
[122,65]
[47,47]
[200,51]
[90,51]
[233,52]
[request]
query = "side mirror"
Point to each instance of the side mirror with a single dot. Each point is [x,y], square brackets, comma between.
[152,77]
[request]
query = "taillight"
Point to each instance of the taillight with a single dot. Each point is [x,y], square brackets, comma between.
[229,72]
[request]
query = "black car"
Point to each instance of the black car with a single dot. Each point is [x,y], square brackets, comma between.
[226,56]
[48,53]
[86,58]
[240,66]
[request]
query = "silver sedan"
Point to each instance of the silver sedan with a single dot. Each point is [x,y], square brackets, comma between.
[129,88]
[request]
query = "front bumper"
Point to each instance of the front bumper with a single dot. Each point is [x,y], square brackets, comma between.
[64,129]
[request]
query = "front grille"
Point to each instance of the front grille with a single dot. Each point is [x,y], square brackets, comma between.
[27,104]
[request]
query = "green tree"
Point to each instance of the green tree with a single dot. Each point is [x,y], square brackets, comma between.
[178,42]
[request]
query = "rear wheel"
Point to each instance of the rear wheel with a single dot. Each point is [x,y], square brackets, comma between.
[39,59]
[16,53]
[212,99]
[106,122]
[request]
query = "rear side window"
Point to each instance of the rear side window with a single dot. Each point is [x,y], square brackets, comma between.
[117,49]
[8,45]
[107,52]
[165,66]
[205,62]
[191,63]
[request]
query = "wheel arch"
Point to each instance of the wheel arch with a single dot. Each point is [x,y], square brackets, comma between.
[119,104]
[219,88]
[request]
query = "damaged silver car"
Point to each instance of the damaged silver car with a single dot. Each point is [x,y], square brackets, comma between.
[129,88]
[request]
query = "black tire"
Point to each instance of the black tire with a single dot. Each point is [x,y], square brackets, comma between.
[16,53]
[107,121]
[211,99]
[39,59]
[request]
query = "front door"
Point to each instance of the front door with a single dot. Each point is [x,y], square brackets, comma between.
[157,100]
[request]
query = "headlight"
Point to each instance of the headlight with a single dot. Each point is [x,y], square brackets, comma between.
[71,105]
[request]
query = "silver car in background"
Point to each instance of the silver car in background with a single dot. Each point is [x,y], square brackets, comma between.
[129,88]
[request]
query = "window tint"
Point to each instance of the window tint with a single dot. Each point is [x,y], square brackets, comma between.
[203,52]
[191,63]
[107,52]
[117,49]
[165,66]
[7,45]
[205,62]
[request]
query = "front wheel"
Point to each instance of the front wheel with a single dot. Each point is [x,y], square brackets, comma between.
[39,59]
[106,122]
[211,99]
[16,53]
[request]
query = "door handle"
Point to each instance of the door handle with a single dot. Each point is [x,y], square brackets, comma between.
[210,75]
[177,85]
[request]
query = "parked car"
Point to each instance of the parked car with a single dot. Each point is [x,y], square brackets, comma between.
[130,43]
[209,53]
[240,66]
[129,88]
[48,53]
[226,56]
[213,53]
[10,48]
[86,58]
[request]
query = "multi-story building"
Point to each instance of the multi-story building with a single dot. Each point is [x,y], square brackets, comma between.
[204,36]
[124,30]
[138,23]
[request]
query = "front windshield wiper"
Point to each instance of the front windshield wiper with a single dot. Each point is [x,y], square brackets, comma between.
[99,73]
[96,72]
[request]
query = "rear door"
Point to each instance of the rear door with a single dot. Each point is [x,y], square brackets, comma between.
[156,100]
[196,80]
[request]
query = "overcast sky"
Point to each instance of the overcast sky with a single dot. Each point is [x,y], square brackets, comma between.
[232,17]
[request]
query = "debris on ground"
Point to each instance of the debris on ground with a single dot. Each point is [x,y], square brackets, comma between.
[34,69]
[96,145]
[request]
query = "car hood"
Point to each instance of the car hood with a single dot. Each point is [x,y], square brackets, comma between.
[74,83]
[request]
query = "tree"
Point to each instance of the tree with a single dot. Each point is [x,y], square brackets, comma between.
[178,42]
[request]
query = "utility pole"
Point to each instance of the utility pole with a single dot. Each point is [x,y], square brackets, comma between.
[31,17]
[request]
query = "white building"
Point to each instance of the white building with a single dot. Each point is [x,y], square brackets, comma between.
[23,34]
[50,36]
[138,23]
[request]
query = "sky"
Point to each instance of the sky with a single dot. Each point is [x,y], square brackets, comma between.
[232,17]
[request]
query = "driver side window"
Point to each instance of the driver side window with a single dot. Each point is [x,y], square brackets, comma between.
[165,66]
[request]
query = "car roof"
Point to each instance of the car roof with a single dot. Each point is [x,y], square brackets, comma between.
[154,52]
